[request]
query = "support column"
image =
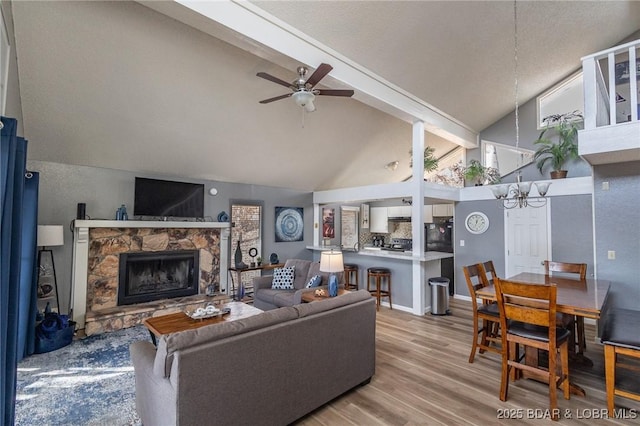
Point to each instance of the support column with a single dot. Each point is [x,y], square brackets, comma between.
[417,217]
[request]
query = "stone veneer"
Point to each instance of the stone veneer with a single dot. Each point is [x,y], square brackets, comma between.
[105,247]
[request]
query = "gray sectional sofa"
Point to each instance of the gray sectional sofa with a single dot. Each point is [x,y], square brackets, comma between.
[268,369]
[266,298]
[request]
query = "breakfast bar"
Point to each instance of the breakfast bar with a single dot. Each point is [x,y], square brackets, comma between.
[402,266]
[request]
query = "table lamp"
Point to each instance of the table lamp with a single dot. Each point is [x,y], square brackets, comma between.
[331,261]
[50,236]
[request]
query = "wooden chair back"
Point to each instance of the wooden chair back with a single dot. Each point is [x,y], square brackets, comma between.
[476,279]
[528,303]
[490,270]
[565,267]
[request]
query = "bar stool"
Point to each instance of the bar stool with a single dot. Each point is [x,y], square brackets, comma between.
[378,274]
[351,268]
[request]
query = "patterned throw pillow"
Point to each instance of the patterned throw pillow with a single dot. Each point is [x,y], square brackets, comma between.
[283,278]
[314,281]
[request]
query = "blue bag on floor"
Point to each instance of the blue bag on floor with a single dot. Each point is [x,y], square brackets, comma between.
[54,332]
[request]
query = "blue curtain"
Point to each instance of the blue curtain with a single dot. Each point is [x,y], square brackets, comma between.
[13,157]
[29,268]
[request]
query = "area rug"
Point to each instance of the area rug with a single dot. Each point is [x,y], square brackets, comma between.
[89,382]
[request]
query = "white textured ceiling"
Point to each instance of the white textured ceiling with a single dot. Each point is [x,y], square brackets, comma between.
[118,85]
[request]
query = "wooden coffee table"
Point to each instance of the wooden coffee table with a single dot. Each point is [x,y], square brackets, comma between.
[310,296]
[179,321]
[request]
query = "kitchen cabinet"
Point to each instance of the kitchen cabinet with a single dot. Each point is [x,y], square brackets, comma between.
[428,214]
[442,210]
[399,211]
[378,220]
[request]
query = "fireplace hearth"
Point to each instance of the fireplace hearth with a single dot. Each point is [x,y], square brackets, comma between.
[148,276]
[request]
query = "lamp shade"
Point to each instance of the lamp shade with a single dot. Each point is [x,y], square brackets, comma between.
[50,235]
[331,261]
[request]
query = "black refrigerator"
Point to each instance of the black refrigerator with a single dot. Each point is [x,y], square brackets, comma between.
[439,237]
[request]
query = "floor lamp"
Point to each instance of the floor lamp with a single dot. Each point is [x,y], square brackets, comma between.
[49,236]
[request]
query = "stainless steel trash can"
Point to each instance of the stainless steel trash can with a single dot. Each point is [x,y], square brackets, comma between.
[439,295]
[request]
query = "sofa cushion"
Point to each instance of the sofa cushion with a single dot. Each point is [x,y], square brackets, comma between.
[302,272]
[283,278]
[267,294]
[170,343]
[315,281]
[306,309]
[284,298]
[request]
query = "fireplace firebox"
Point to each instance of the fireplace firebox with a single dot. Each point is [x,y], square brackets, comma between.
[148,276]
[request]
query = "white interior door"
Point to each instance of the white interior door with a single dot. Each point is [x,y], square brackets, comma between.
[527,239]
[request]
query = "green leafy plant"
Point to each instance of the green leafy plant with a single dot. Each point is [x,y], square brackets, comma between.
[430,161]
[565,148]
[477,173]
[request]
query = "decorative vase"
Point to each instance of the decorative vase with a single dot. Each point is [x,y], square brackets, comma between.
[333,285]
[240,294]
[238,255]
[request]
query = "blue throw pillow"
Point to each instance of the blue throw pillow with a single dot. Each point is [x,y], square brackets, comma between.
[315,281]
[283,278]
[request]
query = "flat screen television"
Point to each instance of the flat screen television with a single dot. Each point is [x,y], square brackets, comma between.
[165,198]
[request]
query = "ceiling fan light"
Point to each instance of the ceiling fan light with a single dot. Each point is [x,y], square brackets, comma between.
[309,106]
[303,98]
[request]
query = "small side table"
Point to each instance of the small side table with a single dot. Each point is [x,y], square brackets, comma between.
[310,296]
[239,272]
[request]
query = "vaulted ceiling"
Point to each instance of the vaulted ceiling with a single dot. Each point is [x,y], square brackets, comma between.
[125,86]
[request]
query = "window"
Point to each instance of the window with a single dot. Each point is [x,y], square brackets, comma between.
[566,96]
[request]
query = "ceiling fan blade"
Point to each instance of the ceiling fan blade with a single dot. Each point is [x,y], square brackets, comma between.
[319,74]
[333,92]
[275,80]
[277,98]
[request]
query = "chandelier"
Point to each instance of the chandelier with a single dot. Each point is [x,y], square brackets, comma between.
[517,194]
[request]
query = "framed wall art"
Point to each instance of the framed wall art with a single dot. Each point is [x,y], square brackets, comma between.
[289,224]
[328,222]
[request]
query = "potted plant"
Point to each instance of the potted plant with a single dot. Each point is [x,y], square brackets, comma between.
[479,174]
[259,260]
[564,149]
[430,161]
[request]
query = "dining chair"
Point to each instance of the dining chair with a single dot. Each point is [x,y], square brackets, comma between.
[575,323]
[528,318]
[486,312]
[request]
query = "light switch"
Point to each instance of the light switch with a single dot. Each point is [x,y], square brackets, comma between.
[461,243]
[611,254]
[605,186]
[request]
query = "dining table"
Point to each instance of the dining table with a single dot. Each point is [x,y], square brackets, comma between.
[580,297]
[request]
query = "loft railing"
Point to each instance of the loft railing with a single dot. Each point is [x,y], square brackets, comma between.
[611,86]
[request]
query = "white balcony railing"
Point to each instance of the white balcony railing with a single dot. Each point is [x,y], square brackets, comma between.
[611,85]
[611,128]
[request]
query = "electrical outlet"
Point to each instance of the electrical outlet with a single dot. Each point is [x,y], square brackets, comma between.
[611,254]
[461,243]
[605,186]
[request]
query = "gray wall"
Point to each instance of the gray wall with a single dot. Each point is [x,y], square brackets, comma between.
[617,224]
[571,235]
[62,186]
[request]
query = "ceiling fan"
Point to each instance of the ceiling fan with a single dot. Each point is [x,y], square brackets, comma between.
[303,89]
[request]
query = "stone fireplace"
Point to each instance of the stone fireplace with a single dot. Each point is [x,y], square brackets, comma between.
[196,251]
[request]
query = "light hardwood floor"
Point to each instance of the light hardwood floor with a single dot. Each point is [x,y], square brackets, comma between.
[423,378]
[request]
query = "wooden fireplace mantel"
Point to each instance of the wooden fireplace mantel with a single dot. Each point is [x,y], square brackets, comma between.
[81,254]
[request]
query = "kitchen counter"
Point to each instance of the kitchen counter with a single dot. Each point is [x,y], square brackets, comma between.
[389,254]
